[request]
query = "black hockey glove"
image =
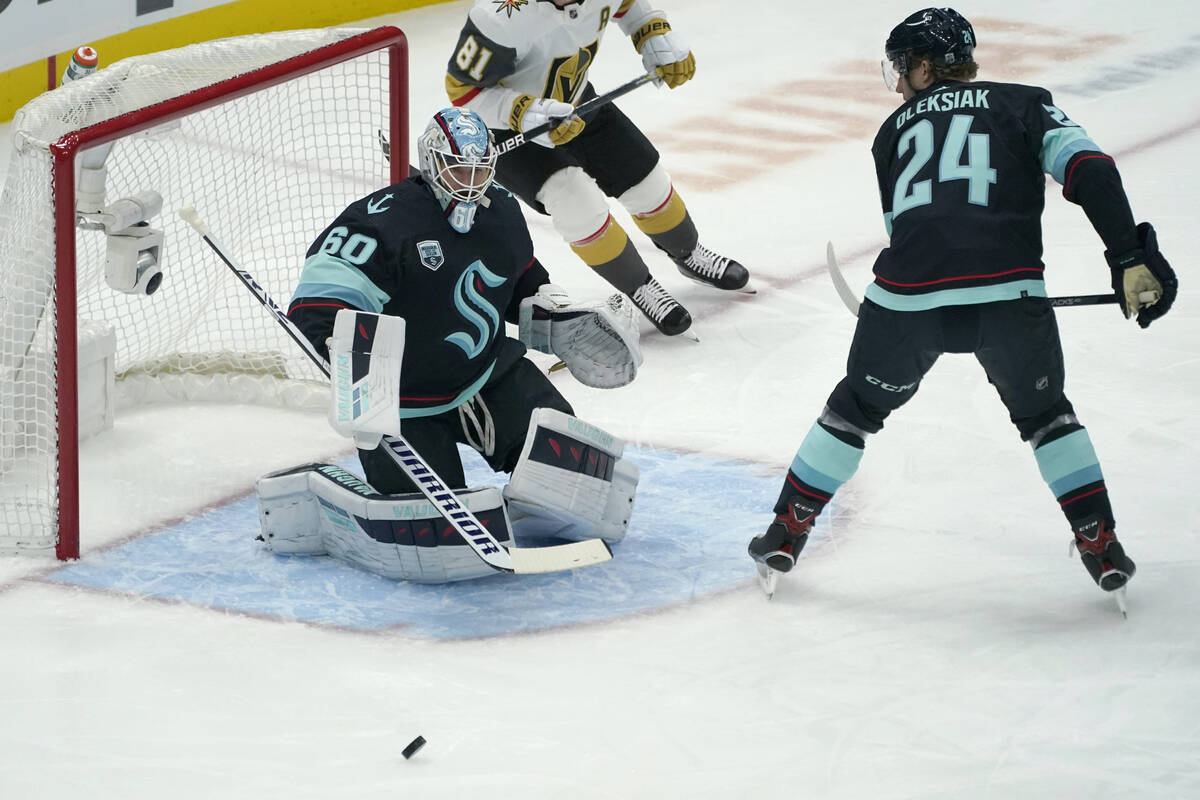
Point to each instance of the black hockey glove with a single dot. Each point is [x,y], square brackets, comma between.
[1144,282]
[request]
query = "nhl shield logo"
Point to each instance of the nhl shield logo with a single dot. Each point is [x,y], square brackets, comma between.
[431,254]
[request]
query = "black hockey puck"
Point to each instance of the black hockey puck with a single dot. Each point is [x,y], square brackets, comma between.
[413,746]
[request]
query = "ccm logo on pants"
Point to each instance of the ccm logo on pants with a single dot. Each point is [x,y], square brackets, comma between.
[888,387]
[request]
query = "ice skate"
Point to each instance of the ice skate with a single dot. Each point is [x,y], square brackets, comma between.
[1104,557]
[712,269]
[776,550]
[661,308]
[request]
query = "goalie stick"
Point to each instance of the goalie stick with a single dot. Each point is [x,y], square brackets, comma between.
[519,560]
[852,302]
[513,142]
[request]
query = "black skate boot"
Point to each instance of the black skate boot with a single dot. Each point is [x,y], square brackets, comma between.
[1101,553]
[704,266]
[661,309]
[775,551]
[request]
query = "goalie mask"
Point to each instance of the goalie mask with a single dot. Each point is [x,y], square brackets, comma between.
[457,157]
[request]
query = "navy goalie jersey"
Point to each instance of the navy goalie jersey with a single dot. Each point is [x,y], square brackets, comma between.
[961,170]
[393,252]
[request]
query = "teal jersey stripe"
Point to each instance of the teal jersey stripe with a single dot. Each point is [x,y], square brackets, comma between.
[825,461]
[1068,463]
[463,396]
[955,297]
[1059,145]
[326,276]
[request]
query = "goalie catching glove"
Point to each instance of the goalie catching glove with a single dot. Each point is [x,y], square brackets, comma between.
[1143,280]
[597,341]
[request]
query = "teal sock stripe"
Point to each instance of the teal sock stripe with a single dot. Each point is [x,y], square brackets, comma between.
[824,461]
[1068,463]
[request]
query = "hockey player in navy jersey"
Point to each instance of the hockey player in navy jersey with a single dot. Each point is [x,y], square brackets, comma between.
[448,250]
[520,64]
[961,169]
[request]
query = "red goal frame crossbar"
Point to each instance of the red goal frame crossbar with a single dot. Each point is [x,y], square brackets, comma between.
[64,151]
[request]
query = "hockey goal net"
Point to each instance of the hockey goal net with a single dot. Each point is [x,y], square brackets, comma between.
[269,136]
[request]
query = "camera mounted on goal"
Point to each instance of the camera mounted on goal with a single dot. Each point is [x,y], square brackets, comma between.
[133,249]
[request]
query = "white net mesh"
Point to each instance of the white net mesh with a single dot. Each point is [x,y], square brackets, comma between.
[266,170]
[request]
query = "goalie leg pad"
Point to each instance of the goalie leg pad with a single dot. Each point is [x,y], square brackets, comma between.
[322,509]
[571,481]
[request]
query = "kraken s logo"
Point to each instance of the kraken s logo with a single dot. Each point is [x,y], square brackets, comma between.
[467,299]
[466,125]
[567,76]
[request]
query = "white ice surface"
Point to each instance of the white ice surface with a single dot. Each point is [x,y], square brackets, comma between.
[936,642]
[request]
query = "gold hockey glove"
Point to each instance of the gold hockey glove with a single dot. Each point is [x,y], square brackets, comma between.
[663,52]
[529,112]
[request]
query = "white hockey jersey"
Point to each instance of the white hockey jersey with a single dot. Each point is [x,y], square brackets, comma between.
[508,48]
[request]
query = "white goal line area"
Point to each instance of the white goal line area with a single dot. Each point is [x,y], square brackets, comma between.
[268,135]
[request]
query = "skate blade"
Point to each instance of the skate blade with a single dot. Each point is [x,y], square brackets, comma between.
[767,579]
[1122,603]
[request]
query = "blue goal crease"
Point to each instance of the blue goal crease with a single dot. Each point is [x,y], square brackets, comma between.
[687,538]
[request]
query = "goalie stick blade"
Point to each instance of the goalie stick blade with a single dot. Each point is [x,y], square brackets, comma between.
[839,280]
[556,558]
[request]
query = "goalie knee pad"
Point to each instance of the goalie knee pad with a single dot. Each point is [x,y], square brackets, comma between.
[318,509]
[578,209]
[648,195]
[571,481]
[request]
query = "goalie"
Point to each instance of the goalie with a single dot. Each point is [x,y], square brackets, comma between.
[432,268]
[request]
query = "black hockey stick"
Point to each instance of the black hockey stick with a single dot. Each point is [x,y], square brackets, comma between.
[521,560]
[1083,300]
[583,109]
[852,303]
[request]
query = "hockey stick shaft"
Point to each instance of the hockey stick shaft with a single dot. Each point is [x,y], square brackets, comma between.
[583,109]
[1083,300]
[839,281]
[852,303]
[513,142]
[472,531]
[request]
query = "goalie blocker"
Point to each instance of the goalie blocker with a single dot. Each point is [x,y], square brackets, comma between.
[570,483]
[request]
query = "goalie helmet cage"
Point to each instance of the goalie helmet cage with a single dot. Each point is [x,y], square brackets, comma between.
[269,136]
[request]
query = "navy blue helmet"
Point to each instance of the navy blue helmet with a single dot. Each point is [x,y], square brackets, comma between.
[940,34]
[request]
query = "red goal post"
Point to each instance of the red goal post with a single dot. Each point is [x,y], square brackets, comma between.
[269,136]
